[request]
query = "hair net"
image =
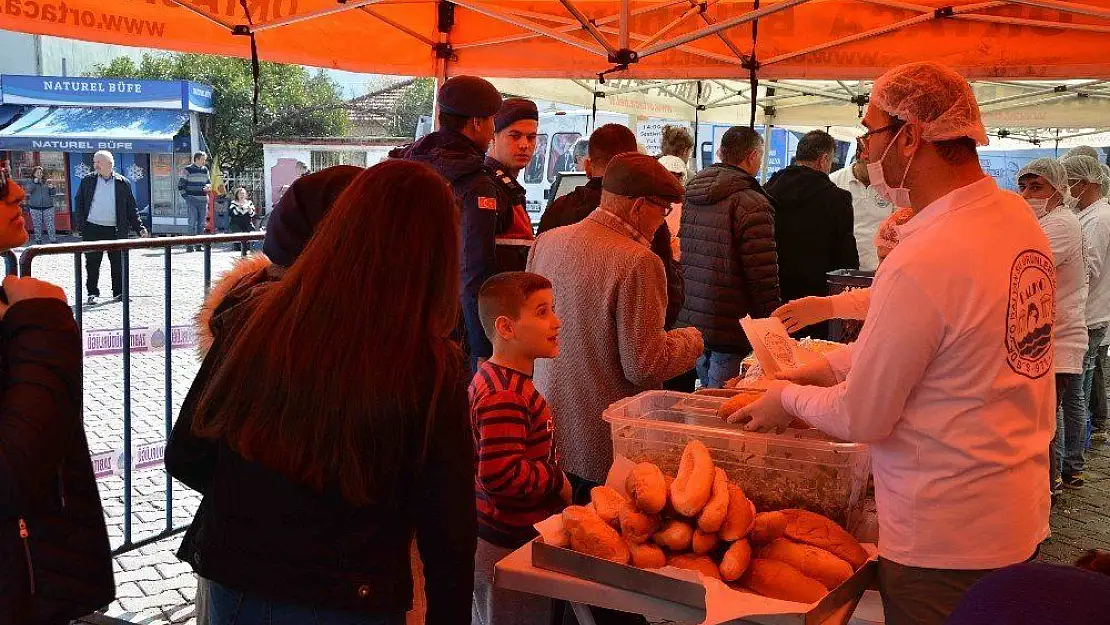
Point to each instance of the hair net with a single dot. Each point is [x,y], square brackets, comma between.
[674,165]
[934,97]
[1082,150]
[1084,168]
[1051,170]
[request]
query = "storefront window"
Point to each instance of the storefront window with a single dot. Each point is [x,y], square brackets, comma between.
[163,189]
[533,174]
[325,159]
[562,154]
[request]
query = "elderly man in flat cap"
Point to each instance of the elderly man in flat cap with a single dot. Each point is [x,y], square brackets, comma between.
[469,120]
[612,297]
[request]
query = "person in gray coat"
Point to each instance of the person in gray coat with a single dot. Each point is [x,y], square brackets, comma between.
[40,202]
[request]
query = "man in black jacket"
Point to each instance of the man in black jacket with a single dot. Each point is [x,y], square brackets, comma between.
[467,107]
[814,226]
[605,143]
[55,559]
[106,211]
[729,254]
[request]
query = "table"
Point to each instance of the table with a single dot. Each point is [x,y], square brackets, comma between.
[516,572]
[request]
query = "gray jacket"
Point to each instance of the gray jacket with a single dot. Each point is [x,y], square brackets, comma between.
[611,293]
[39,194]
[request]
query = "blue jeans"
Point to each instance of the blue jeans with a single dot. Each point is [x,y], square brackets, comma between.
[716,368]
[1071,433]
[231,607]
[197,210]
[1094,336]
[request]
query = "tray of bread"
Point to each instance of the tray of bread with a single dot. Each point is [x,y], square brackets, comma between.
[696,538]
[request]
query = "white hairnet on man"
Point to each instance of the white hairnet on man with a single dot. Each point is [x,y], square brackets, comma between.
[1053,172]
[951,380]
[1082,150]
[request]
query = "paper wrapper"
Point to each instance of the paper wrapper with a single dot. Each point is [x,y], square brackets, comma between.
[773,347]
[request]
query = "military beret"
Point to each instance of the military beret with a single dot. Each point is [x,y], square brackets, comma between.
[514,110]
[469,96]
[638,175]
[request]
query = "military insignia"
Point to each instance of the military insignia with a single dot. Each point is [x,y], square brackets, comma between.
[487,203]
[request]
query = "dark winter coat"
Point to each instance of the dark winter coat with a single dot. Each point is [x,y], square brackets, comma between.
[578,204]
[728,255]
[127,211]
[40,195]
[256,531]
[46,475]
[814,229]
[486,211]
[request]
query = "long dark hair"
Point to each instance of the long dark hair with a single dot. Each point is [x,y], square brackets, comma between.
[349,350]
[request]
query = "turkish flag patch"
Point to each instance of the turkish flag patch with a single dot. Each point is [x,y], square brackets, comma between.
[487,203]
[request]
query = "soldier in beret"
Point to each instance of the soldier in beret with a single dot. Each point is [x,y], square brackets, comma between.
[612,294]
[486,191]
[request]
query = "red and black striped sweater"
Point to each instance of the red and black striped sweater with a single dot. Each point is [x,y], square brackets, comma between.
[517,481]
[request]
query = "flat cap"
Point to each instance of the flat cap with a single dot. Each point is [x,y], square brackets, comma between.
[469,96]
[514,110]
[638,175]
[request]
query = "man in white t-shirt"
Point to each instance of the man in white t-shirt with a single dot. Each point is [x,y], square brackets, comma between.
[869,208]
[951,380]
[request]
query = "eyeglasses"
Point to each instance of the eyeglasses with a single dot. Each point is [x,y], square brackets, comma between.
[666,206]
[867,135]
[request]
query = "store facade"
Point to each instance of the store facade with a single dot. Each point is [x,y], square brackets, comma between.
[150,126]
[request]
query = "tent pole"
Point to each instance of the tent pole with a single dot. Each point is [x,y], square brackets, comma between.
[769,126]
[697,125]
[593,114]
[445,20]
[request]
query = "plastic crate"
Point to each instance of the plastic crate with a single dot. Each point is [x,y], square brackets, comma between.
[798,469]
[847,330]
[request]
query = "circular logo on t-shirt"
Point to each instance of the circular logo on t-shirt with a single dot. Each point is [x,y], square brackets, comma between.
[1030,314]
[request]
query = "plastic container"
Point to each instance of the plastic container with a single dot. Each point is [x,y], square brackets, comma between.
[847,330]
[798,469]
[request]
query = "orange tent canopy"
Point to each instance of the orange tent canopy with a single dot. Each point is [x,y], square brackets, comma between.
[816,39]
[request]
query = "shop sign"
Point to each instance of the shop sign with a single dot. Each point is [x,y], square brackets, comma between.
[85,145]
[107,92]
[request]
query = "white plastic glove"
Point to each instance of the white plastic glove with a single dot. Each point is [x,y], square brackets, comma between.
[804,312]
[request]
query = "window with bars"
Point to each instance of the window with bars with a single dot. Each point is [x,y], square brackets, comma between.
[324,159]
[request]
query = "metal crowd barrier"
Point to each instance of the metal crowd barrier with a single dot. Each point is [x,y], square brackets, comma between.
[26,260]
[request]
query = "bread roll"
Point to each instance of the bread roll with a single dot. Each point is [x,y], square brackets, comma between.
[647,487]
[741,400]
[647,556]
[768,526]
[592,536]
[636,526]
[701,564]
[739,517]
[779,580]
[676,535]
[703,543]
[692,488]
[713,514]
[813,529]
[736,560]
[812,561]
[607,502]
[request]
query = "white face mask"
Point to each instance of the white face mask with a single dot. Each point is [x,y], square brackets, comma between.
[900,195]
[1039,205]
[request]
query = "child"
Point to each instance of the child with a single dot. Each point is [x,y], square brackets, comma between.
[517,482]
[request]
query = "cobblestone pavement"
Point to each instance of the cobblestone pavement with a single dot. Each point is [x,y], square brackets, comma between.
[154,587]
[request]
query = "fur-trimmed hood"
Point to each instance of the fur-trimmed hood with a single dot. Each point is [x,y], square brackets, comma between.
[232,288]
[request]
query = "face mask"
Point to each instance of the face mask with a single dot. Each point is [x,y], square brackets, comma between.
[900,195]
[1039,206]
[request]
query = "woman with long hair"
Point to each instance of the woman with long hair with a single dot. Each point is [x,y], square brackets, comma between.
[240,213]
[40,201]
[352,431]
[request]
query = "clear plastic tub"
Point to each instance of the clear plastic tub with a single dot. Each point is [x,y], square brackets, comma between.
[798,469]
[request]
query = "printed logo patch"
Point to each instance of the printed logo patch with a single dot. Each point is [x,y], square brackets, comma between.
[1030,314]
[487,203]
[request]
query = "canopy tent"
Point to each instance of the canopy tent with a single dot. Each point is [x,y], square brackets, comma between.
[676,39]
[87,129]
[1031,111]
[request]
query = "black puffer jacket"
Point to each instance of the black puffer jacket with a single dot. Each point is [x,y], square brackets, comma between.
[578,204]
[258,532]
[46,476]
[814,232]
[728,256]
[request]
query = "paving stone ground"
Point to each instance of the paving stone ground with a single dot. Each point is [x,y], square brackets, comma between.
[154,587]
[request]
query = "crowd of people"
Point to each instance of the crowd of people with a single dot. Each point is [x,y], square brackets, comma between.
[463,405]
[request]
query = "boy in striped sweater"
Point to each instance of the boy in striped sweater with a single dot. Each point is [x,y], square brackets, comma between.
[517,482]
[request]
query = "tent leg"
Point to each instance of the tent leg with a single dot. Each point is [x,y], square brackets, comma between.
[445,20]
[769,127]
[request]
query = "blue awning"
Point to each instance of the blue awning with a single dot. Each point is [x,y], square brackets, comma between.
[75,129]
[8,112]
